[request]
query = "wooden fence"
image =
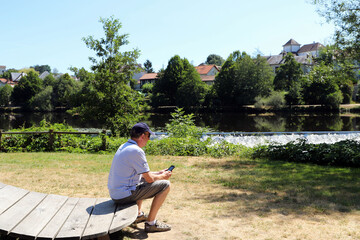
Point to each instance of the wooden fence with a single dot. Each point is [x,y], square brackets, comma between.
[52,135]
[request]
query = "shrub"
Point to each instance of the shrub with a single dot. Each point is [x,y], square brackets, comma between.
[344,153]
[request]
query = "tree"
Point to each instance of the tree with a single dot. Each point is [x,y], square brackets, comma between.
[5,95]
[321,87]
[288,78]
[107,97]
[64,91]
[242,78]
[343,70]
[148,66]
[42,68]
[214,59]
[42,100]
[346,18]
[179,85]
[27,87]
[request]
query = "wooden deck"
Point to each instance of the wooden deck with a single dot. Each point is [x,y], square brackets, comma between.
[33,215]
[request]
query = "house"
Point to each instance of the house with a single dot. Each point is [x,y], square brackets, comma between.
[2,69]
[17,76]
[207,73]
[4,81]
[148,78]
[43,75]
[302,54]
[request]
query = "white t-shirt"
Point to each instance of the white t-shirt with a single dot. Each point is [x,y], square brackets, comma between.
[128,164]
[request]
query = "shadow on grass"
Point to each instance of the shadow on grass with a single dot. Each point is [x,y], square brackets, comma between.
[275,186]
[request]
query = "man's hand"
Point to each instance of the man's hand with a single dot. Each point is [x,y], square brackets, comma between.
[153,176]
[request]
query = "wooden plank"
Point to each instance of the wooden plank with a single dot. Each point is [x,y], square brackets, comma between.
[53,227]
[31,226]
[75,225]
[16,213]
[101,219]
[9,195]
[124,216]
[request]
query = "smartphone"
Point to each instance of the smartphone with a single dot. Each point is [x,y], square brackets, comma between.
[171,168]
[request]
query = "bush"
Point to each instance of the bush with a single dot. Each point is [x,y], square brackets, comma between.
[344,153]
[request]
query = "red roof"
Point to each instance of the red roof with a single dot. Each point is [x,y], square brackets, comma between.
[148,76]
[204,69]
[5,81]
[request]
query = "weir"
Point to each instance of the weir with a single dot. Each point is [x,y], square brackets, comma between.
[252,139]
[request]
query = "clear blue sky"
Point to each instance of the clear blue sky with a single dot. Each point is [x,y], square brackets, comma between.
[43,32]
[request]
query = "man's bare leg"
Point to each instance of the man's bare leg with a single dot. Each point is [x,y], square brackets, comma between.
[157,203]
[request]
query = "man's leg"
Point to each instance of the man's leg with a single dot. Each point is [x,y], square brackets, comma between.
[139,203]
[157,203]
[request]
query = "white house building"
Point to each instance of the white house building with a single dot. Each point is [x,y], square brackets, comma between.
[303,54]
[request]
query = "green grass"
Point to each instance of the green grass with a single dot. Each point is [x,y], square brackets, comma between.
[280,186]
[290,187]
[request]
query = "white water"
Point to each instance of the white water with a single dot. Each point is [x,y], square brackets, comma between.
[254,139]
[265,138]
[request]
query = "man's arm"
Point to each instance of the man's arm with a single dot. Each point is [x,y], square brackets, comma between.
[154,176]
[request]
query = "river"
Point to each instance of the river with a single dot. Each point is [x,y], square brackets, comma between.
[219,122]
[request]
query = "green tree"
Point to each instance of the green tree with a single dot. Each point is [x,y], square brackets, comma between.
[148,66]
[242,78]
[179,85]
[107,97]
[41,68]
[5,95]
[42,100]
[321,87]
[346,18]
[65,88]
[288,78]
[27,87]
[214,59]
[343,70]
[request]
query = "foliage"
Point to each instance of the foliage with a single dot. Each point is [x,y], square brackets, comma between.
[41,68]
[147,88]
[344,153]
[5,95]
[148,66]
[276,100]
[345,16]
[214,59]
[288,73]
[182,125]
[27,88]
[42,100]
[107,97]
[242,78]
[343,70]
[65,90]
[321,87]
[179,85]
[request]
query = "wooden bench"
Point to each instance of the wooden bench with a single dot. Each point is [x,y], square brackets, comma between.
[33,215]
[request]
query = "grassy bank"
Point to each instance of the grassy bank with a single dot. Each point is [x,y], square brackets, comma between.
[213,198]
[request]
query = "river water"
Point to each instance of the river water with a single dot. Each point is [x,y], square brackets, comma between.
[238,128]
[218,122]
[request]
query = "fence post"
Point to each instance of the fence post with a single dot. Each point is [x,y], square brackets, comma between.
[103,137]
[0,140]
[51,140]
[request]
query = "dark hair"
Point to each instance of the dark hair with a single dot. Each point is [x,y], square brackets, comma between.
[135,134]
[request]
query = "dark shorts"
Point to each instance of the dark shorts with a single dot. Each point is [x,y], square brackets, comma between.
[145,190]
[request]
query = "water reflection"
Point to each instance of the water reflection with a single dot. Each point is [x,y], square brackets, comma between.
[220,122]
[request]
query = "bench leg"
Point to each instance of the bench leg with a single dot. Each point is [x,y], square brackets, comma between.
[106,237]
